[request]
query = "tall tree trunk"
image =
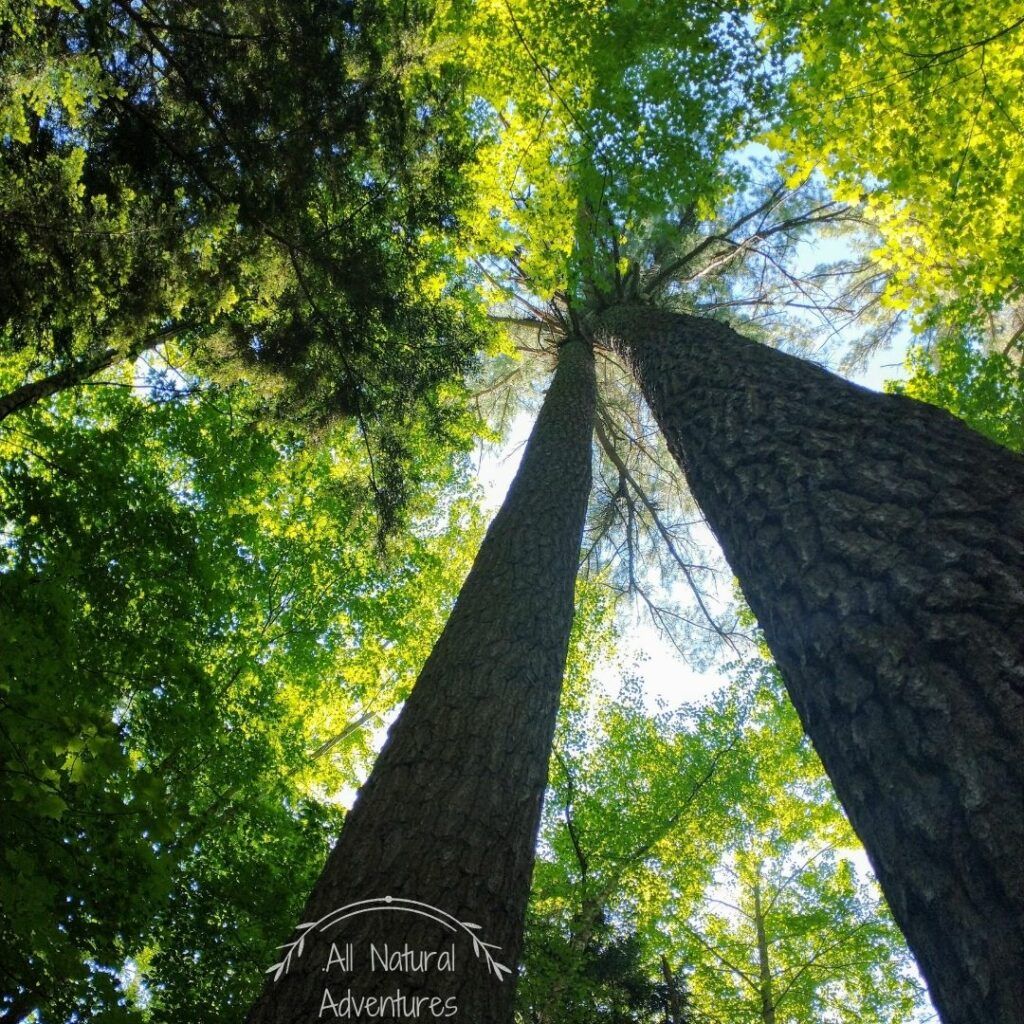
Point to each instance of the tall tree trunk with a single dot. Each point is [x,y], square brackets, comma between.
[450,813]
[764,967]
[27,395]
[880,543]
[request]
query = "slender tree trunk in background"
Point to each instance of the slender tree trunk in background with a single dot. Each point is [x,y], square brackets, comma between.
[581,931]
[880,543]
[764,967]
[450,813]
[78,372]
[27,395]
[676,1000]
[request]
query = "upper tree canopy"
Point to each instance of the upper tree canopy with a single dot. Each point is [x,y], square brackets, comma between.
[602,123]
[273,183]
[916,109]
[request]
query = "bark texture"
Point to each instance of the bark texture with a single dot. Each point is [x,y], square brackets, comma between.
[450,813]
[880,543]
[27,395]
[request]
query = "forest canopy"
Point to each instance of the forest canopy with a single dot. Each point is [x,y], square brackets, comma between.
[283,288]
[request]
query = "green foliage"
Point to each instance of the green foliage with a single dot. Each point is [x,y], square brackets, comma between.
[273,184]
[831,951]
[198,629]
[916,108]
[657,830]
[634,800]
[985,389]
[587,135]
[198,638]
[610,980]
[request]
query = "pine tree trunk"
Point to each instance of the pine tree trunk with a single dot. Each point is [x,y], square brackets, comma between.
[27,395]
[880,543]
[450,813]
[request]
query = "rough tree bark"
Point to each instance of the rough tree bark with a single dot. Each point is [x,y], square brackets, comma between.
[450,813]
[880,543]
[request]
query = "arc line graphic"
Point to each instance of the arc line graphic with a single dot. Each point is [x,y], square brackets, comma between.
[481,949]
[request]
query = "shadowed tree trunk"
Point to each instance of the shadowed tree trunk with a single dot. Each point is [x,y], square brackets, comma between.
[880,543]
[450,813]
[78,372]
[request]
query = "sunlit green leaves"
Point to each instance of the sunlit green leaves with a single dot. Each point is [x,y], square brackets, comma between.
[985,389]
[668,837]
[916,108]
[594,118]
[199,637]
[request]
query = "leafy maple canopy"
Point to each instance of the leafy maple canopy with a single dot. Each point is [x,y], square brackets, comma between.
[597,121]
[199,641]
[657,830]
[915,109]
